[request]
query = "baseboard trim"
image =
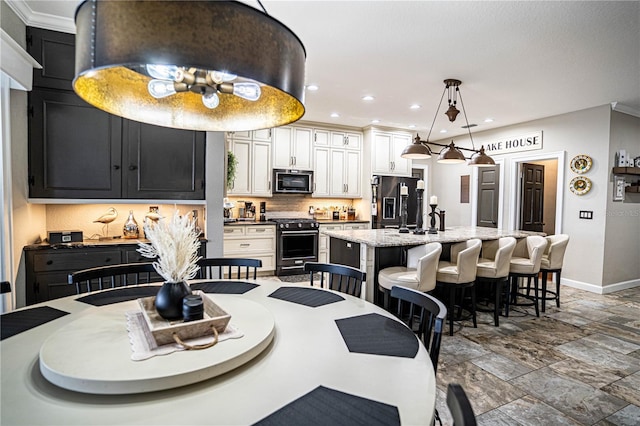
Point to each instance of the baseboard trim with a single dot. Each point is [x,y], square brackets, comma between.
[611,288]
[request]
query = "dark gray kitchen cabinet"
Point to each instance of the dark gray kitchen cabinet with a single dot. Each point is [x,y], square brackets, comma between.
[55,51]
[47,268]
[163,163]
[77,151]
[74,148]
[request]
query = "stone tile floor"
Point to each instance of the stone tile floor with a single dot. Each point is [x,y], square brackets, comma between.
[574,365]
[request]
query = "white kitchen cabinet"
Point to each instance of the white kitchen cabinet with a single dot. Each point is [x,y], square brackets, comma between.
[337,164]
[386,148]
[252,241]
[256,135]
[292,147]
[322,172]
[347,140]
[344,179]
[253,169]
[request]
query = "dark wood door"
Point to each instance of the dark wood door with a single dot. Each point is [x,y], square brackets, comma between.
[55,51]
[488,192]
[163,163]
[531,208]
[74,148]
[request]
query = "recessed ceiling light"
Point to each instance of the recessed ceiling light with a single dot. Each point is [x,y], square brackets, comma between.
[335,115]
[368,98]
[412,126]
[443,131]
[312,87]
[415,106]
[375,121]
[488,120]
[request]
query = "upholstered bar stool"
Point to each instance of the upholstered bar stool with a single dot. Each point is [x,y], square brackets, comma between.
[493,268]
[552,260]
[459,273]
[525,263]
[419,274]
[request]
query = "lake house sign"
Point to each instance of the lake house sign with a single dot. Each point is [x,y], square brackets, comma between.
[528,142]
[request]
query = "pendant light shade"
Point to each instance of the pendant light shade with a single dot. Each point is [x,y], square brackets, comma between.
[417,150]
[451,155]
[198,65]
[480,159]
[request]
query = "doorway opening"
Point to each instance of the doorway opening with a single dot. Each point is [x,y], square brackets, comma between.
[538,185]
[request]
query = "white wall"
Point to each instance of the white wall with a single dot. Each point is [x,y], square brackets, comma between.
[622,241]
[581,132]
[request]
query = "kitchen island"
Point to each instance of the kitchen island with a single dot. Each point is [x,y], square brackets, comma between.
[381,248]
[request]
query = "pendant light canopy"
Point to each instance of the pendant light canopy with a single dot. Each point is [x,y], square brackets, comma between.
[198,65]
[450,154]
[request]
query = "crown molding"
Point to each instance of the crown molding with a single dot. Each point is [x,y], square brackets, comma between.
[41,20]
[617,106]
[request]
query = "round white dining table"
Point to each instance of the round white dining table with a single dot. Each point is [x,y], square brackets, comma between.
[324,358]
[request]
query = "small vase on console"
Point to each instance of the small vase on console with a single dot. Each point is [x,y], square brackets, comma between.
[169,299]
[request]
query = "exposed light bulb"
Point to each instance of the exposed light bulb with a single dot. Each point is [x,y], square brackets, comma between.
[210,100]
[222,76]
[248,91]
[163,72]
[161,88]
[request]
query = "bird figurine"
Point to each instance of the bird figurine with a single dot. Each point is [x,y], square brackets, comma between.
[109,216]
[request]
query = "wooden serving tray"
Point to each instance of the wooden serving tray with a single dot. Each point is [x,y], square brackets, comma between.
[163,330]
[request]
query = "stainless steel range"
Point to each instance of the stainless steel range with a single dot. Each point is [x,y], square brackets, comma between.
[297,243]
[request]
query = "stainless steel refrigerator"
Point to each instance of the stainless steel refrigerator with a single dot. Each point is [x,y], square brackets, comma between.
[386,198]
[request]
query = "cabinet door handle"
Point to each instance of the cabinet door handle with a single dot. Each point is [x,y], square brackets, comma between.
[116,167]
[294,161]
[346,185]
[260,230]
[244,244]
[132,167]
[49,262]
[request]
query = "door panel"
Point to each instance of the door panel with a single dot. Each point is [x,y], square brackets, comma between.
[488,190]
[531,209]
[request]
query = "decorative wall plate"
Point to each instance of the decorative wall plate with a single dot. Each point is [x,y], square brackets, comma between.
[581,163]
[580,185]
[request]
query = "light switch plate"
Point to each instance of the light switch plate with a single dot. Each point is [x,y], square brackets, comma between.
[586,214]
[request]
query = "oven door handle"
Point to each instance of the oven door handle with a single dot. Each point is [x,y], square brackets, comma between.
[299,232]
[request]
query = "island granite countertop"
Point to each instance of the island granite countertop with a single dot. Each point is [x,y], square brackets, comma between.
[391,237]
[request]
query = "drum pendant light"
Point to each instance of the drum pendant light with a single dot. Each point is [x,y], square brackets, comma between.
[198,65]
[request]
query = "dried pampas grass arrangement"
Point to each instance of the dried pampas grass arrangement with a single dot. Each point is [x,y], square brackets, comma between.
[174,244]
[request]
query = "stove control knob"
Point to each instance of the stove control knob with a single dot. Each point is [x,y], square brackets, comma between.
[286,225]
[281,226]
[299,225]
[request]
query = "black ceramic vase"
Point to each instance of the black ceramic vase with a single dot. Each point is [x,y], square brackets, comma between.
[169,300]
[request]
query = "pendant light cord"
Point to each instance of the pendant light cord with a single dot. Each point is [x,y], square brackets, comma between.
[466,120]
[436,114]
[263,9]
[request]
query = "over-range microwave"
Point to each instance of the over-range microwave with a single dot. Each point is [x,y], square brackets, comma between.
[292,181]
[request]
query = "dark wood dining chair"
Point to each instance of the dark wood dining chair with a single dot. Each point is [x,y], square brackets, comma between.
[338,277]
[112,276]
[459,406]
[229,266]
[426,317]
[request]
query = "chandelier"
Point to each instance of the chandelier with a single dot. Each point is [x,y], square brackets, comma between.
[198,65]
[450,154]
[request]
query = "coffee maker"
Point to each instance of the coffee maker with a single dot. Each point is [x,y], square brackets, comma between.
[249,210]
[263,211]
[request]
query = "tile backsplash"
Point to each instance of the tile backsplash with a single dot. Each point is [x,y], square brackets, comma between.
[68,217]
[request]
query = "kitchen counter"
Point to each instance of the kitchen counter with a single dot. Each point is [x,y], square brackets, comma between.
[329,221]
[392,238]
[382,248]
[92,243]
[249,222]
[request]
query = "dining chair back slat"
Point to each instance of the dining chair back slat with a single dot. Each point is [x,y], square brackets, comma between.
[233,267]
[341,278]
[112,276]
[459,406]
[426,318]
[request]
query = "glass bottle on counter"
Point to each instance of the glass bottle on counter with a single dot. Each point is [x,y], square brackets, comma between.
[130,228]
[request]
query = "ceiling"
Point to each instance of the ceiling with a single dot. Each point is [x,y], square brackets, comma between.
[518,60]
